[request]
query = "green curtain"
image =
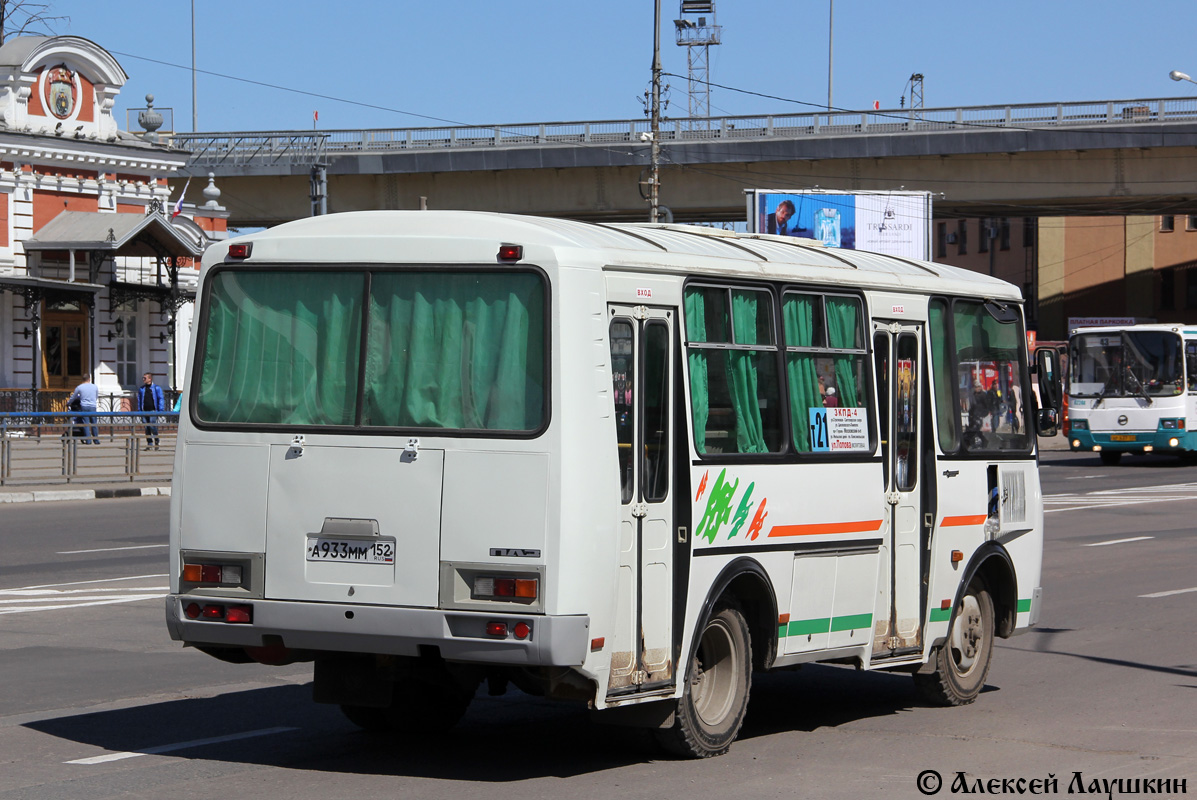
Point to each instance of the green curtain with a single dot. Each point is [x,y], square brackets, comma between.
[742,373]
[946,410]
[455,350]
[696,331]
[798,323]
[842,330]
[282,348]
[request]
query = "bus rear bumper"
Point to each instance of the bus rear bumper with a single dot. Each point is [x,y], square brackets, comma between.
[330,627]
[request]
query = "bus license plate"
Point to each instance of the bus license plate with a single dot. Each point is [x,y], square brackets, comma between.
[351,551]
[1122,437]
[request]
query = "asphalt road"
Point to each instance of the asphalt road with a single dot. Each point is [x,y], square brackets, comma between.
[97,702]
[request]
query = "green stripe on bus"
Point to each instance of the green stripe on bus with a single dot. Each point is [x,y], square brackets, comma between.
[941,614]
[808,627]
[852,622]
[805,627]
[1024,605]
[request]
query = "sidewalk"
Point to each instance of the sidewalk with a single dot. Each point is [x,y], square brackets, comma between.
[83,491]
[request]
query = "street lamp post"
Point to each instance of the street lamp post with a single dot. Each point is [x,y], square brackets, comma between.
[1177,75]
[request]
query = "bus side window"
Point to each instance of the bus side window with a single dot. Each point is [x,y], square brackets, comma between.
[623,370]
[881,362]
[1191,364]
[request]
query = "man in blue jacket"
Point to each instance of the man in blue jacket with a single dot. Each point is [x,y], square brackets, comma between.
[150,398]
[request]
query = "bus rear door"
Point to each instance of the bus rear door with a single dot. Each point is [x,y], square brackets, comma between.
[642,373]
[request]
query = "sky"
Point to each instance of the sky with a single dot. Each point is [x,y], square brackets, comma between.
[263,65]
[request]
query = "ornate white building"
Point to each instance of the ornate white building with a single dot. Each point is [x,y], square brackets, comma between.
[96,272]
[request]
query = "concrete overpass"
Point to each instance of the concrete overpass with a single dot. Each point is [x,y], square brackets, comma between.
[1124,157]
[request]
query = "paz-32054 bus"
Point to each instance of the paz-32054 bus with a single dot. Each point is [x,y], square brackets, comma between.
[627,464]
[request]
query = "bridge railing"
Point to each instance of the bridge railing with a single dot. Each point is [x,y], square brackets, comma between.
[304,148]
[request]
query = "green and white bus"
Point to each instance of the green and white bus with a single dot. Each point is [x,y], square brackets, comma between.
[623,464]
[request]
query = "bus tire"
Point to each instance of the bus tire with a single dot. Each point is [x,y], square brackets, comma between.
[1110,457]
[962,661]
[718,680]
[419,708]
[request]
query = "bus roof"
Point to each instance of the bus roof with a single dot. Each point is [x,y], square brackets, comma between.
[463,236]
[1171,327]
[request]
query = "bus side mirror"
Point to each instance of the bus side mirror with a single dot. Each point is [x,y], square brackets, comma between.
[1051,391]
[1048,422]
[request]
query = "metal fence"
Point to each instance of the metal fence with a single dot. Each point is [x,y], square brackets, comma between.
[53,447]
[270,148]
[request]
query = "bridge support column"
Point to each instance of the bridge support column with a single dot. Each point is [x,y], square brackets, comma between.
[1140,266]
[319,190]
[1052,322]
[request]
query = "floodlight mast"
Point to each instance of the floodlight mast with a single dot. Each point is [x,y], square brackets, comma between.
[697,37]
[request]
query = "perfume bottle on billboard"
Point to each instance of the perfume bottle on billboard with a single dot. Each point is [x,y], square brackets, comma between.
[827,226]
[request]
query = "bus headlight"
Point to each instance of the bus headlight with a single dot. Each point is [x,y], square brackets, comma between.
[1173,442]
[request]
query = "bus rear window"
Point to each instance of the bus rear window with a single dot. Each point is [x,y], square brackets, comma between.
[446,350]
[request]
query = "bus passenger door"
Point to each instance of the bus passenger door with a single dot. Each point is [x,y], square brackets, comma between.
[897,624]
[641,366]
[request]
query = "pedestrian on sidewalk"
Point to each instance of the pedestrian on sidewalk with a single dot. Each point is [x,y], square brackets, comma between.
[88,396]
[150,398]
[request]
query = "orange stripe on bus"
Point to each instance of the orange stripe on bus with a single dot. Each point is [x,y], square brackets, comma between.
[977,519]
[815,529]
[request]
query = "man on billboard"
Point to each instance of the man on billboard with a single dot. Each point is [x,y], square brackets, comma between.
[779,220]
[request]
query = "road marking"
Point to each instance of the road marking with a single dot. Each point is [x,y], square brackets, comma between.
[1119,541]
[167,748]
[1108,498]
[1166,594]
[1083,477]
[111,549]
[46,598]
[84,583]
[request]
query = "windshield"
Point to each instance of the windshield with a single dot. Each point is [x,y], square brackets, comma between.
[442,349]
[1126,364]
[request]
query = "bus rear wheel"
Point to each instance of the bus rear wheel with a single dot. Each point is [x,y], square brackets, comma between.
[1110,458]
[712,707]
[962,661]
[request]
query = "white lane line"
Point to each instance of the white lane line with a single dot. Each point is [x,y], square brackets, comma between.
[148,592]
[48,594]
[111,549]
[1082,477]
[1174,591]
[1119,541]
[167,748]
[105,602]
[84,583]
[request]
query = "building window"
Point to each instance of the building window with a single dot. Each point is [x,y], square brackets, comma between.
[983,236]
[941,240]
[1028,231]
[962,237]
[1191,222]
[1004,234]
[1167,224]
[125,328]
[1167,289]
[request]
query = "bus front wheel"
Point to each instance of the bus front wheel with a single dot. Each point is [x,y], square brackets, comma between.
[715,698]
[1110,457]
[962,661]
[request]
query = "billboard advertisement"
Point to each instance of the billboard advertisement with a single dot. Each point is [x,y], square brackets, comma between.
[894,223]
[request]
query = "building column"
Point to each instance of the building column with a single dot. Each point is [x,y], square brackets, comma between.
[1052,320]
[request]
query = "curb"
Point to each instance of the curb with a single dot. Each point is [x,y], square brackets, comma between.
[56,495]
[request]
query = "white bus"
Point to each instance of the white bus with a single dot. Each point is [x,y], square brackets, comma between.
[1132,389]
[623,464]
